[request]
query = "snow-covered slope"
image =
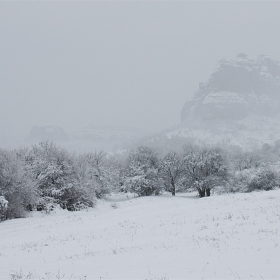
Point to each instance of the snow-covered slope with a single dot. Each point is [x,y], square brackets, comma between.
[233,236]
[248,133]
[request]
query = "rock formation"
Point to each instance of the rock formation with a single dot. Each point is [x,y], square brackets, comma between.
[236,89]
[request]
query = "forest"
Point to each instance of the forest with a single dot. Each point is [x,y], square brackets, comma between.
[45,176]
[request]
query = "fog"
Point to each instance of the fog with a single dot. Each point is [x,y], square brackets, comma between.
[119,63]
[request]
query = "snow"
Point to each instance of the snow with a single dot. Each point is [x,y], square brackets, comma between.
[3,203]
[237,88]
[231,236]
[248,133]
[223,97]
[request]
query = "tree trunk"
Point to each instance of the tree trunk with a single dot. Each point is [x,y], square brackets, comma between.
[208,192]
[201,192]
[173,188]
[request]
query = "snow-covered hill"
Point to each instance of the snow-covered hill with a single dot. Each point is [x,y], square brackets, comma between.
[239,105]
[232,236]
[236,89]
[249,133]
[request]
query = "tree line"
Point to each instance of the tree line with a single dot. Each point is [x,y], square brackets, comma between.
[46,176]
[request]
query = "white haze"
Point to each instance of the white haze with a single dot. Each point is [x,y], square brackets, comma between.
[119,63]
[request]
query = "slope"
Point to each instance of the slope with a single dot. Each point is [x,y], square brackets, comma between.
[233,236]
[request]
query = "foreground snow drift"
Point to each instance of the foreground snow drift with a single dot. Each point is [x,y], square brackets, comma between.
[233,236]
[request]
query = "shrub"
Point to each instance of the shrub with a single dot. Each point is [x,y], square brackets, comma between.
[261,178]
[46,204]
[264,179]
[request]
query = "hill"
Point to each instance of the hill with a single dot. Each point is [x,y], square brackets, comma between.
[238,105]
[233,236]
[236,89]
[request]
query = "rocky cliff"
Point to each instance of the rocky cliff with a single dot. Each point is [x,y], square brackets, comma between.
[236,89]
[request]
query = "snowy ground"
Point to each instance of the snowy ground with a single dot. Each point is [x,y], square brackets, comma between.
[234,236]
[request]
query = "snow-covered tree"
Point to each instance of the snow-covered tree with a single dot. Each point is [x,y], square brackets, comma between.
[205,168]
[141,173]
[54,171]
[244,160]
[103,173]
[172,171]
[15,186]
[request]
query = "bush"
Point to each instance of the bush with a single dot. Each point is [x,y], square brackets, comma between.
[46,204]
[142,186]
[264,179]
[261,178]
[75,198]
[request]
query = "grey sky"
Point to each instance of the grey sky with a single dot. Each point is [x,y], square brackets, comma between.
[120,63]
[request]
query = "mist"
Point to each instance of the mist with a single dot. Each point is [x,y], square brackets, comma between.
[139,139]
[130,64]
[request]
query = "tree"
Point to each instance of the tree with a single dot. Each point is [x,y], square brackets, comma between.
[103,173]
[246,160]
[15,186]
[53,169]
[3,207]
[172,170]
[54,172]
[141,174]
[206,168]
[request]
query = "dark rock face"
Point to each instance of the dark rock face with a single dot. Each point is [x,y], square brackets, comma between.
[237,88]
[47,132]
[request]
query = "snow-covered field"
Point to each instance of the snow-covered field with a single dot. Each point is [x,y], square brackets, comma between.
[232,236]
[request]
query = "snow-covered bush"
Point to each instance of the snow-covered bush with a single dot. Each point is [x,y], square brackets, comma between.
[142,186]
[46,204]
[77,197]
[261,178]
